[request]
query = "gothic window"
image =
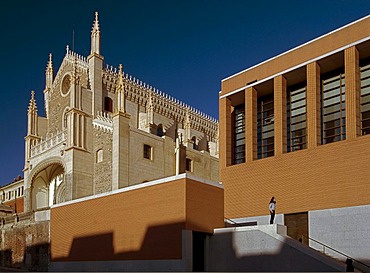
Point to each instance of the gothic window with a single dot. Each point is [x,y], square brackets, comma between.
[160,130]
[99,155]
[65,118]
[148,150]
[108,104]
[333,108]
[195,145]
[189,165]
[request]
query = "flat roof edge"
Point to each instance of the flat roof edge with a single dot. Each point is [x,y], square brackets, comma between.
[142,185]
[297,47]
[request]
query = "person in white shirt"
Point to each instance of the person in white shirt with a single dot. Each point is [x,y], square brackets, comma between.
[272,207]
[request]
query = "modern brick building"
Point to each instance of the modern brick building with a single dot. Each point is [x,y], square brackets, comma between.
[296,127]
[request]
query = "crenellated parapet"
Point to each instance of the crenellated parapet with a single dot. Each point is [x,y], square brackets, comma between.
[163,104]
[103,121]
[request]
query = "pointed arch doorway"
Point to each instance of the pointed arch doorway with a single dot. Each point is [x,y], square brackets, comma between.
[47,185]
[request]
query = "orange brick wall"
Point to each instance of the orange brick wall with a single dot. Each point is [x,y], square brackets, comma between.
[20,204]
[205,207]
[298,56]
[329,176]
[144,223]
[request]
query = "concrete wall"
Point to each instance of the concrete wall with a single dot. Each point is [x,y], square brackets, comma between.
[344,229]
[263,248]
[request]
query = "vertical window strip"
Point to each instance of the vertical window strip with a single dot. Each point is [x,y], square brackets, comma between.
[265,127]
[296,119]
[333,109]
[365,99]
[239,134]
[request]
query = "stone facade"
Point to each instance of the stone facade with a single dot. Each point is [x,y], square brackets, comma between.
[25,243]
[103,130]
[99,120]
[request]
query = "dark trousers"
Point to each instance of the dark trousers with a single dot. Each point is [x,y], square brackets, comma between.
[272,217]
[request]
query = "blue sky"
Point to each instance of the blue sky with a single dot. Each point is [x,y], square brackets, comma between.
[184,48]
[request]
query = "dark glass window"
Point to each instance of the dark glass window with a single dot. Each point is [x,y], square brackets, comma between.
[265,127]
[365,99]
[333,109]
[189,165]
[108,104]
[239,134]
[296,118]
[147,152]
[160,130]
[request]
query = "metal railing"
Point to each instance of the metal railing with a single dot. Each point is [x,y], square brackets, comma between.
[337,251]
[235,223]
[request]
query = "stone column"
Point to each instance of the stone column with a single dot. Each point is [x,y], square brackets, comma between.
[313,105]
[280,121]
[250,124]
[225,133]
[353,89]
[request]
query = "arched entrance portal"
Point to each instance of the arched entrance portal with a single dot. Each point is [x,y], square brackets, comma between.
[48,186]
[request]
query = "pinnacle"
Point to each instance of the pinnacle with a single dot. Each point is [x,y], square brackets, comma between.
[50,63]
[95,27]
[32,105]
[120,78]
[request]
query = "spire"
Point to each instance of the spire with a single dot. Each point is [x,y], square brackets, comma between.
[49,73]
[32,107]
[120,91]
[50,63]
[95,36]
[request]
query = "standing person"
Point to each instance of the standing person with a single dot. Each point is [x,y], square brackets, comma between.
[272,207]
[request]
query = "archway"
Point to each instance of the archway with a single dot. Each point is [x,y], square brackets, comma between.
[47,186]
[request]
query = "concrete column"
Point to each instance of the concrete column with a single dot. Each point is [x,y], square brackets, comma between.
[280,134]
[225,133]
[313,105]
[250,124]
[120,150]
[353,89]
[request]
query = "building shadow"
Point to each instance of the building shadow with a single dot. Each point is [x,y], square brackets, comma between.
[35,258]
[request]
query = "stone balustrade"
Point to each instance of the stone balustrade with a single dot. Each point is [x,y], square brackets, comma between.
[48,143]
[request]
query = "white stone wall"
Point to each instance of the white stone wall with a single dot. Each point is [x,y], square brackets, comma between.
[344,229]
[262,249]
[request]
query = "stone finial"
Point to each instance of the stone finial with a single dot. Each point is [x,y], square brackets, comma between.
[120,79]
[95,36]
[49,66]
[96,23]
[32,107]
